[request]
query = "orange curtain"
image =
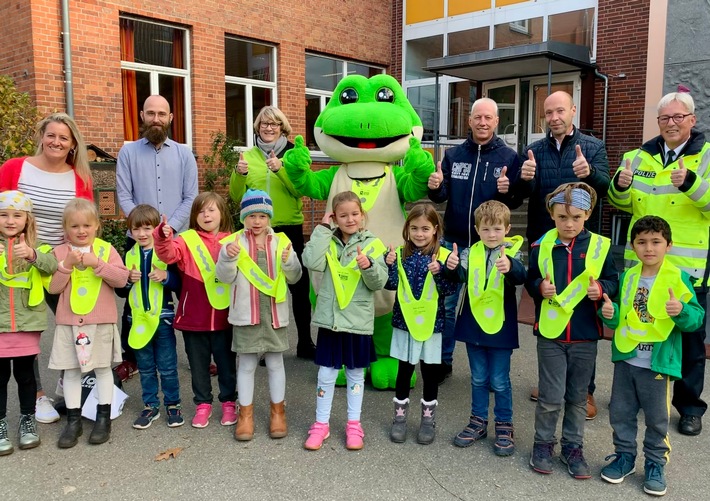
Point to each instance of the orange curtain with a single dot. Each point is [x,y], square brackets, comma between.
[178,104]
[128,80]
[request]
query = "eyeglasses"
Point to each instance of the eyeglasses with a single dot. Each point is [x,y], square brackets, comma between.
[677,119]
[269,125]
[152,114]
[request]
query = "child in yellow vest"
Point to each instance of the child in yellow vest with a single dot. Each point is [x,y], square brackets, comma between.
[86,337]
[352,260]
[23,264]
[569,270]
[418,272]
[656,305]
[259,264]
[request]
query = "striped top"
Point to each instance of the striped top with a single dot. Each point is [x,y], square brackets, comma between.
[49,193]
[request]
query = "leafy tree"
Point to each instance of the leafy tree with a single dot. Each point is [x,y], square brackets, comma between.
[220,162]
[17,121]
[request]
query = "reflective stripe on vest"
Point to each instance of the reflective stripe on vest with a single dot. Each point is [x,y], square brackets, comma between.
[144,322]
[485,297]
[631,330]
[31,279]
[85,285]
[217,292]
[368,192]
[345,278]
[556,312]
[275,287]
[419,314]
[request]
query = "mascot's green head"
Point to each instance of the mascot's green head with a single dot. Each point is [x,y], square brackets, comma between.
[367,120]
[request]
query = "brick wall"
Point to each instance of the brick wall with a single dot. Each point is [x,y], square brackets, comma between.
[16,54]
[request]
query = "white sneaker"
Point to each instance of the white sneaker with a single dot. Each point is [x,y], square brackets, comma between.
[45,411]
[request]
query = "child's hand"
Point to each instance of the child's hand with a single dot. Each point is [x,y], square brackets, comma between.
[233,249]
[72,259]
[593,290]
[434,267]
[167,229]
[89,259]
[327,218]
[363,261]
[22,250]
[503,263]
[134,275]
[2,248]
[607,308]
[547,289]
[673,306]
[285,253]
[391,256]
[453,260]
[157,275]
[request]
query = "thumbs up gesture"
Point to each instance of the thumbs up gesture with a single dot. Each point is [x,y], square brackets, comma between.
[580,166]
[527,172]
[607,307]
[22,250]
[167,229]
[503,262]
[678,175]
[157,275]
[72,259]
[626,176]
[547,289]
[434,267]
[242,165]
[273,163]
[286,253]
[593,291]
[134,275]
[362,260]
[436,178]
[233,249]
[673,305]
[391,256]
[453,260]
[503,183]
[89,259]
[2,248]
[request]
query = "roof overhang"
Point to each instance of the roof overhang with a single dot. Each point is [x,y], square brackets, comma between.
[514,62]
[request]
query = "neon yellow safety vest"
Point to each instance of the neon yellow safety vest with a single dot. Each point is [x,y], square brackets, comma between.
[273,287]
[345,278]
[144,321]
[368,192]
[85,285]
[419,314]
[631,330]
[487,303]
[556,312]
[217,292]
[31,279]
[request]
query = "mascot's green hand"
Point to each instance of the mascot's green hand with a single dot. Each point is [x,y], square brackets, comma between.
[298,157]
[416,157]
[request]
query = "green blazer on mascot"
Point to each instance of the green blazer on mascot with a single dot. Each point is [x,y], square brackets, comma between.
[369,126]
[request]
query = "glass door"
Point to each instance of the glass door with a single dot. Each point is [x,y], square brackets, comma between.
[537,127]
[506,94]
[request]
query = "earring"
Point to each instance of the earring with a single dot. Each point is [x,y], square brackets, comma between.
[72,152]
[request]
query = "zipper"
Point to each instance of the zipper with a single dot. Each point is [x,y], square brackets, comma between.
[473,192]
[184,303]
[569,280]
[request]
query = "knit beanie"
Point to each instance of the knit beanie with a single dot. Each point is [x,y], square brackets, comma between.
[256,201]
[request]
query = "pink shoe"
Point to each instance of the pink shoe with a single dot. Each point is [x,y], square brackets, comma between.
[229,413]
[354,436]
[316,435]
[202,416]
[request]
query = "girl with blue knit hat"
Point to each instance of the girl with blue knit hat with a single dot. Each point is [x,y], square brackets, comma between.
[259,264]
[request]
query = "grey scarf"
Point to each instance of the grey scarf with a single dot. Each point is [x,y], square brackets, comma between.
[277,147]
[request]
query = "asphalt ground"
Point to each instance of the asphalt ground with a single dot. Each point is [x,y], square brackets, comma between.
[212,465]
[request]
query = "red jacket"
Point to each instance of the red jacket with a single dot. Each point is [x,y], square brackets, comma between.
[10,175]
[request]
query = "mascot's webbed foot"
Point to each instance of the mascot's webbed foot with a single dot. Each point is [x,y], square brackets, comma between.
[383,374]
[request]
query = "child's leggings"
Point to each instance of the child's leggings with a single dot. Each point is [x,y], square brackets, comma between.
[430,378]
[245,377]
[326,387]
[72,386]
[21,367]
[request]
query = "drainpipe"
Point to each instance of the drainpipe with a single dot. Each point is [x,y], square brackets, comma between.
[606,100]
[66,39]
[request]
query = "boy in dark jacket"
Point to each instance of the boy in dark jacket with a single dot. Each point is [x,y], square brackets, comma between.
[570,268]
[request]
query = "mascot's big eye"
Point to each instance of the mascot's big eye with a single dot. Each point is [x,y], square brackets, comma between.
[348,96]
[385,95]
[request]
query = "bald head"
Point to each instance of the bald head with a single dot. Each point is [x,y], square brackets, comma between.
[156,102]
[559,114]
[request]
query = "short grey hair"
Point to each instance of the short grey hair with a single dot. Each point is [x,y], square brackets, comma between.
[485,100]
[683,98]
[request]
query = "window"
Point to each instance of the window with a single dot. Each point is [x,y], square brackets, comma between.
[423,100]
[250,84]
[322,76]
[155,60]
[523,32]
[461,97]
[418,52]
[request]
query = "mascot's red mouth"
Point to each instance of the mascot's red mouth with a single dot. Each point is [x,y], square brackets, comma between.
[368,144]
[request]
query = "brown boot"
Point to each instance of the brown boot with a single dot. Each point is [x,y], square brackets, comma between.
[277,427]
[244,430]
[591,407]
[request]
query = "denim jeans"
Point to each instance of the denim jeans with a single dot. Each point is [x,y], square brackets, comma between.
[448,341]
[490,369]
[159,356]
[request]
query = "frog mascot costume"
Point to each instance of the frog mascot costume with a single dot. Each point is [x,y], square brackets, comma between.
[369,125]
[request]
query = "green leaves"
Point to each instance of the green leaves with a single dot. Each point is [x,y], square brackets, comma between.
[18,119]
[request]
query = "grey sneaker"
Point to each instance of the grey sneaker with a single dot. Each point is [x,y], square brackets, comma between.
[175,418]
[573,457]
[146,418]
[29,438]
[541,457]
[5,444]
[623,465]
[655,482]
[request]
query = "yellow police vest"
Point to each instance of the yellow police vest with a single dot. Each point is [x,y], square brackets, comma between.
[31,279]
[217,292]
[368,192]
[85,285]
[556,312]
[345,278]
[419,314]
[631,330]
[275,287]
[487,302]
[144,321]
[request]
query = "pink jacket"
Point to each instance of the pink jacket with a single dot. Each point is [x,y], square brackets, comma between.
[113,273]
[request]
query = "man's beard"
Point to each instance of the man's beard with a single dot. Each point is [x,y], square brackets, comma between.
[156,135]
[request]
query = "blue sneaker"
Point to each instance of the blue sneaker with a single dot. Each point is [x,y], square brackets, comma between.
[146,418]
[623,465]
[654,483]
[175,418]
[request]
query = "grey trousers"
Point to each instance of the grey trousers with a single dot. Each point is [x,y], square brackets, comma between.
[634,389]
[564,371]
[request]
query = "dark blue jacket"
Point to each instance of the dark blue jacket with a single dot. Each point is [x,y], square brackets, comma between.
[555,168]
[468,330]
[584,325]
[471,173]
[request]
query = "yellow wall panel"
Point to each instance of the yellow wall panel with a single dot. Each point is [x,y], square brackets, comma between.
[424,10]
[503,3]
[457,7]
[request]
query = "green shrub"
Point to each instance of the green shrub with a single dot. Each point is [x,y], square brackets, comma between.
[220,163]
[114,232]
[18,119]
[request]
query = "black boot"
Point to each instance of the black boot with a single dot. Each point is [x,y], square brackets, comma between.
[72,431]
[102,427]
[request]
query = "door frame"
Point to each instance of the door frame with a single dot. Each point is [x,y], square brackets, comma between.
[510,138]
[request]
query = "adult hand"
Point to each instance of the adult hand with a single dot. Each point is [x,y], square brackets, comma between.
[233,249]
[391,256]
[580,166]
[242,165]
[167,229]
[285,253]
[593,290]
[678,175]
[274,164]
[436,178]
[157,275]
[607,307]
[90,260]
[527,172]
[503,183]
[134,275]
[673,306]
[434,267]
[503,261]
[547,289]
[453,260]
[626,176]
[363,261]
[22,250]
